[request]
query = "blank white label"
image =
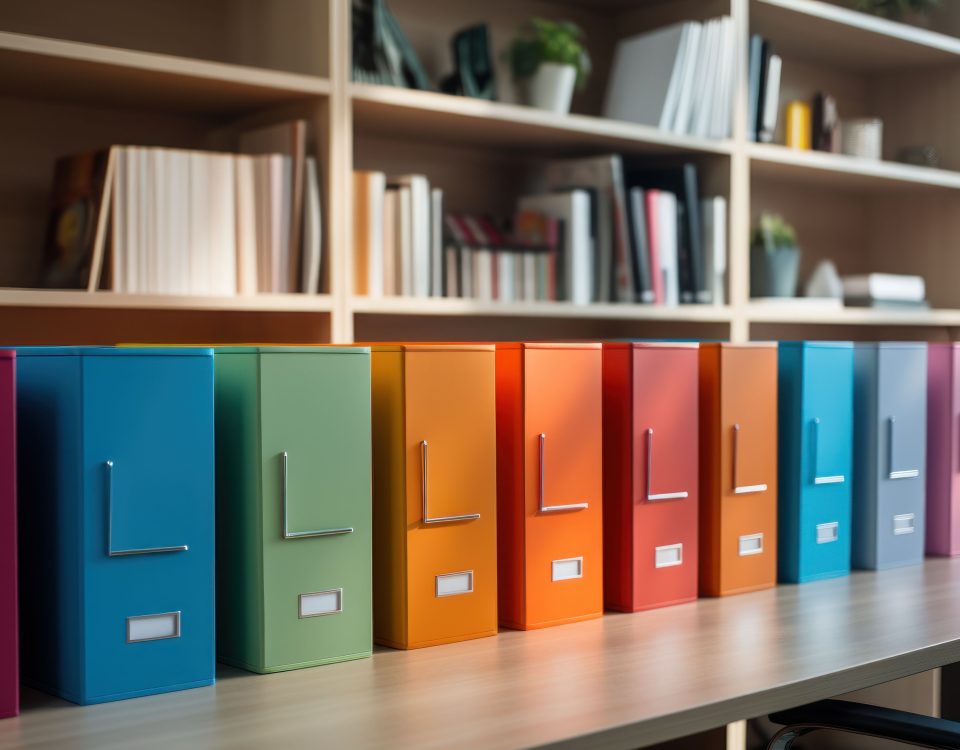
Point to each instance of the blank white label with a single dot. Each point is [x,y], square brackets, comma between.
[564,570]
[751,544]
[669,555]
[153,627]
[827,532]
[321,603]
[903,524]
[451,584]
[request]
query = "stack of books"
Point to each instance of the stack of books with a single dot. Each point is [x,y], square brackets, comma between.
[152,220]
[679,78]
[885,290]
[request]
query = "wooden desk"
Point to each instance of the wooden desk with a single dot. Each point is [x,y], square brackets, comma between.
[618,682]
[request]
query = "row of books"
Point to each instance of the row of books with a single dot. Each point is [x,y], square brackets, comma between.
[169,221]
[763,94]
[603,233]
[678,78]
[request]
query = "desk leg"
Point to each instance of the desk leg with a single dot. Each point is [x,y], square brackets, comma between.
[737,735]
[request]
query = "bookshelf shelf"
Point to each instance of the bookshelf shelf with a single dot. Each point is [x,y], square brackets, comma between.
[763,313]
[34,67]
[49,298]
[840,171]
[396,111]
[477,308]
[843,37]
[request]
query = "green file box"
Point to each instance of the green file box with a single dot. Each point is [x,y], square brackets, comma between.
[293,506]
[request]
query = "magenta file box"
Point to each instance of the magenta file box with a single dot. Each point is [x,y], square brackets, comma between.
[9,671]
[943,447]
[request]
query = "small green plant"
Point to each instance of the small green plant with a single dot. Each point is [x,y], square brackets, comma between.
[541,41]
[773,233]
[896,8]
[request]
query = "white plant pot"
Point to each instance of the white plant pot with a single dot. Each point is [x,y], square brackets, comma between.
[551,87]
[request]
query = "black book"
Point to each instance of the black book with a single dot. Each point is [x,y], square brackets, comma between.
[683,181]
[757,124]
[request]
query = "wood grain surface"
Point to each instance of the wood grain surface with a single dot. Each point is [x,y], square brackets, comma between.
[625,680]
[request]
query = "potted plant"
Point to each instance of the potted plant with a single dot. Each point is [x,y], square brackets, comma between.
[548,60]
[774,258]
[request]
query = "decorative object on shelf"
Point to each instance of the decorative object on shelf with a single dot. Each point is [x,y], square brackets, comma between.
[885,290]
[862,137]
[381,51]
[550,59]
[824,282]
[774,258]
[910,10]
[798,125]
[763,96]
[920,156]
[474,73]
[826,123]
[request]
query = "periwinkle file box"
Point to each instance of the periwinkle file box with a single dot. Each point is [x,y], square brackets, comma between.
[815,470]
[294,522]
[650,474]
[116,484]
[9,657]
[889,460]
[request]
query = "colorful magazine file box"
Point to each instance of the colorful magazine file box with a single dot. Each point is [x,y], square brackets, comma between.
[116,476]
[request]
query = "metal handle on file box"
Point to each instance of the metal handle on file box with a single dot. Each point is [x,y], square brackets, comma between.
[896,473]
[817,479]
[662,495]
[553,508]
[111,552]
[423,494]
[746,489]
[287,534]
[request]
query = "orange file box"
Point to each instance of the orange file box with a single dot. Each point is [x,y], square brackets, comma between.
[649,474]
[434,493]
[549,483]
[738,467]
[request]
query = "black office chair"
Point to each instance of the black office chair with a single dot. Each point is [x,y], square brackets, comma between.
[871,721]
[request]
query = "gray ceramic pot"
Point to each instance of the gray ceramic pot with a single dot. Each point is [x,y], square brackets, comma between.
[773,273]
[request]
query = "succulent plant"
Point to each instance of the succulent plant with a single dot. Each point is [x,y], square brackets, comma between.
[541,40]
[773,232]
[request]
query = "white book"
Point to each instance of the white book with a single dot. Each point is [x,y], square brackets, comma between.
[529,277]
[121,236]
[690,66]
[158,280]
[505,280]
[704,83]
[771,99]
[222,263]
[144,193]
[418,263]
[287,259]
[278,228]
[246,230]
[720,121]
[436,242]
[368,232]
[451,272]
[199,223]
[713,213]
[313,232]
[391,243]
[466,273]
[404,229]
[262,201]
[889,287]
[668,251]
[573,209]
[484,275]
[651,98]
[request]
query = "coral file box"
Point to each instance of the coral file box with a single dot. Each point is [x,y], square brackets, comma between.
[738,467]
[550,516]
[650,470]
[116,476]
[434,471]
[816,459]
[294,522]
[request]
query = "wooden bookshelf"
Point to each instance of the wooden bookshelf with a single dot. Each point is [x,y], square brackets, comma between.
[171,73]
